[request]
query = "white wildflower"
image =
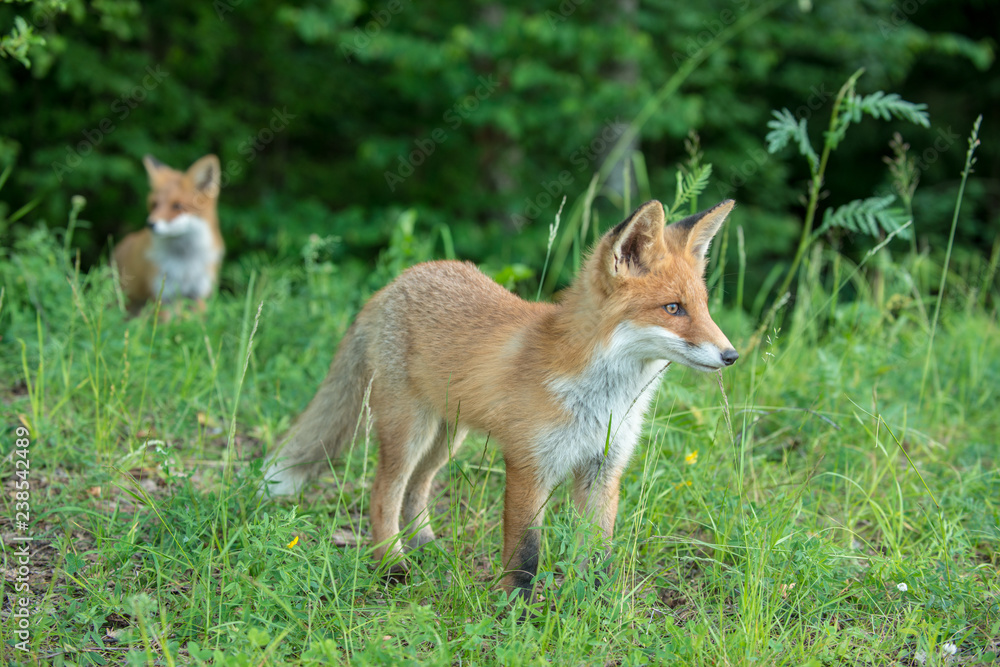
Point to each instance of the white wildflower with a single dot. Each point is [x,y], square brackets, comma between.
[902,587]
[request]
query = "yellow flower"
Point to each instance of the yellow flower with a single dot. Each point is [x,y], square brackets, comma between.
[293,542]
[691,458]
[683,484]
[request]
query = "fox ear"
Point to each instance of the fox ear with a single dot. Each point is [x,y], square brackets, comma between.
[152,165]
[206,175]
[637,241]
[701,228]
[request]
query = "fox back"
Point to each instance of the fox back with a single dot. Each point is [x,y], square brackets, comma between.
[563,388]
[181,248]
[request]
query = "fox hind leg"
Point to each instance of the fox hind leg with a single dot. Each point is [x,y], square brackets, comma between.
[404,438]
[416,521]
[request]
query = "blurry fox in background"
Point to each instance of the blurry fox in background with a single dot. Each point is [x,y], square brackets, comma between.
[562,387]
[181,249]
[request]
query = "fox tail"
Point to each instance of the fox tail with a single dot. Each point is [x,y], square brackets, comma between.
[328,424]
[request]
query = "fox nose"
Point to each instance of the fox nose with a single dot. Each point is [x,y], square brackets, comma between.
[730,356]
[150,223]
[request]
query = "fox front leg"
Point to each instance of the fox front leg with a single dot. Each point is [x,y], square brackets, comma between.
[595,493]
[524,504]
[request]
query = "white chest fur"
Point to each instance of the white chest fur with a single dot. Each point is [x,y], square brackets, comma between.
[615,388]
[184,251]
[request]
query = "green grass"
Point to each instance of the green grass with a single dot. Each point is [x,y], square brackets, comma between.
[770,517]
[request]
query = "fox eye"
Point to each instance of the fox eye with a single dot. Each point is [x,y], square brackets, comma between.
[176,206]
[674,309]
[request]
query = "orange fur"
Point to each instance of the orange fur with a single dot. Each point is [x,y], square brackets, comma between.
[181,249]
[444,344]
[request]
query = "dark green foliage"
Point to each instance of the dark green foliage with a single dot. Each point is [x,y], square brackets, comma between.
[330,118]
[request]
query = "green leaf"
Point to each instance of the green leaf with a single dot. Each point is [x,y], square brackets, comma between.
[785,128]
[871,217]
[258,637]
[885,107]
[689,186]
[21,38]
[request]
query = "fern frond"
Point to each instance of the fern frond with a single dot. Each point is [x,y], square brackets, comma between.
[886,106]
[690,184]
[785,128]
[870,216]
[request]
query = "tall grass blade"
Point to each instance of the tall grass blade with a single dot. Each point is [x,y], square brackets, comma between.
[969,162]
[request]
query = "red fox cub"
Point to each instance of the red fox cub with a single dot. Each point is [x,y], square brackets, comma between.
[562,387]
[181,248]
